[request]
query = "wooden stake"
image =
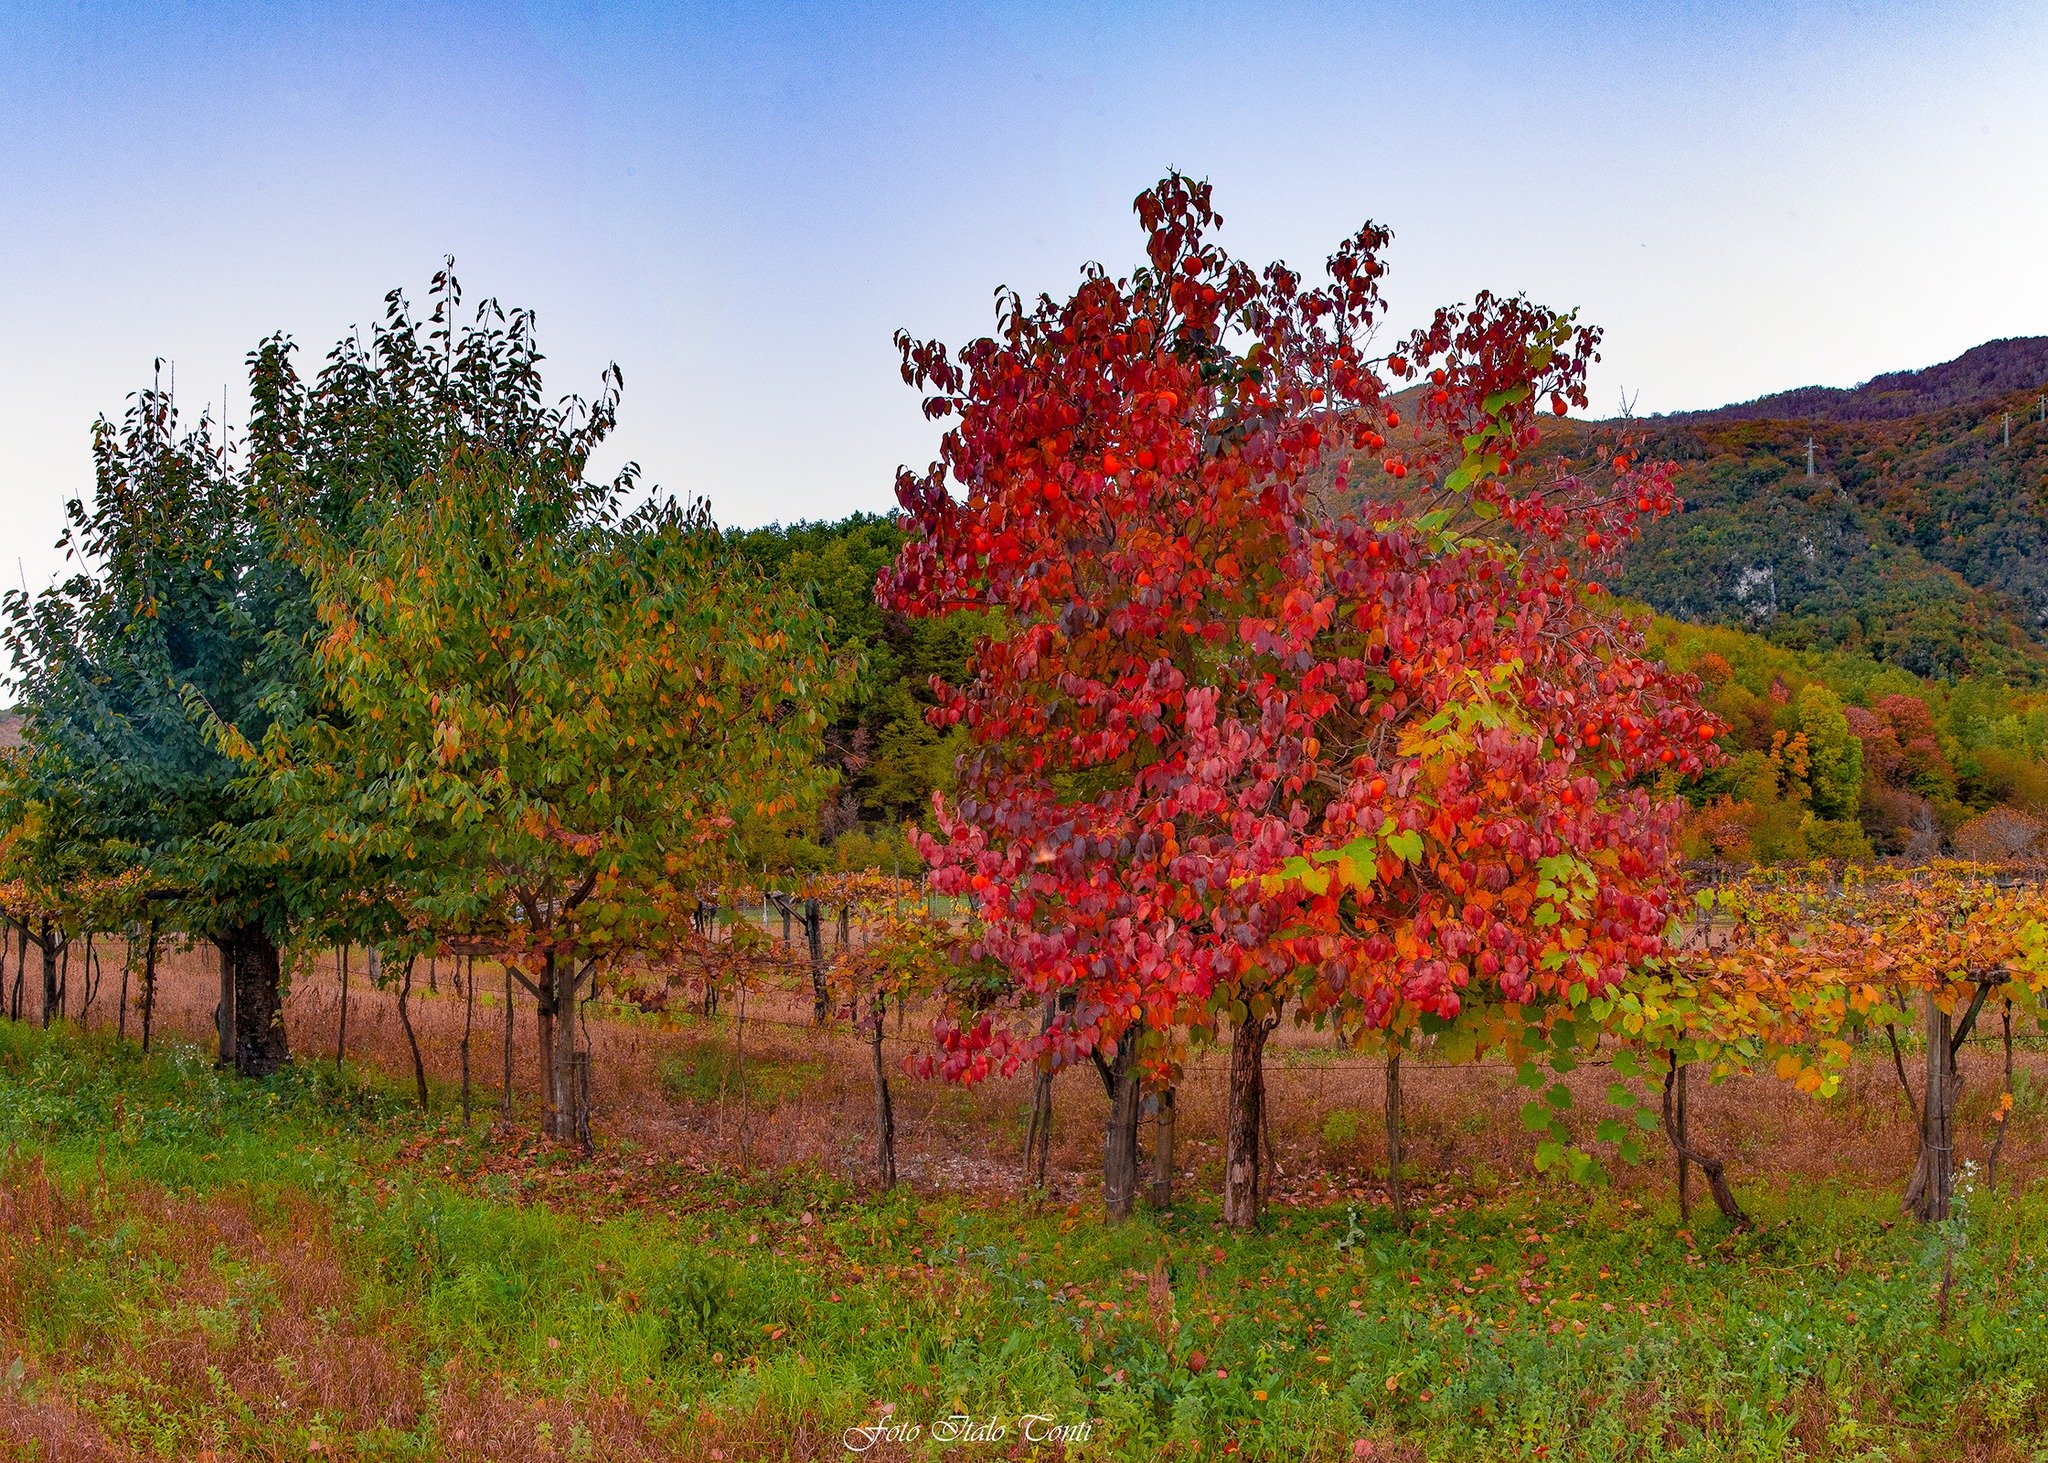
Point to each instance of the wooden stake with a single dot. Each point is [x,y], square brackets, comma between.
[148,984]
[505,1105]
[341,1035]
[1397,1187]
[1683,1145]
[468,1021]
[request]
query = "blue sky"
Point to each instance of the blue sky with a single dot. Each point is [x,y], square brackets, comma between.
[741,204]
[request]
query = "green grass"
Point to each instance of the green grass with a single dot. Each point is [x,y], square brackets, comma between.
[1547,1322]
[709,1071]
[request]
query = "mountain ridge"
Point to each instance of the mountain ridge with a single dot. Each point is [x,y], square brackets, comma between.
[1994,369]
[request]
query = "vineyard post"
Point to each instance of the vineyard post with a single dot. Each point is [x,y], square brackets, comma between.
[341,1032]
[739,1055]
[128,961]
[148,984]
[885,1113]
[814,940]
[2003,1119]
[1684,1074]
[1397,1187]
[468,1021]
[89,987]
[505,1074]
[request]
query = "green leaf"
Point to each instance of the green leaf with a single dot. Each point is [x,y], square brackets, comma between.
[1558,1096]
[1536,1117]
[1497,402]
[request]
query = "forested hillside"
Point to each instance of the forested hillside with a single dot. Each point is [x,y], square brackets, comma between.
[1897,597]
[1917,539]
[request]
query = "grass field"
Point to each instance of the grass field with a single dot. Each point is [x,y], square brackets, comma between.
[193,1266]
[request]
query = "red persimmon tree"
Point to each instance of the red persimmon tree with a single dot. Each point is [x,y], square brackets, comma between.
[1253,729]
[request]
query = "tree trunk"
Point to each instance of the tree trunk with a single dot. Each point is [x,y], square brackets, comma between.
[148,985]
[1162,1154]
[1928,1195]
[1038,1132]
[814,937]
[1681,1143]
[1244,1130]
[544,1012]
[885,1110]
[224,1011]
[1397,1181]
[563,1099]
[1120,1142]
[412,1041]
[51,1003]
[88,979]
[20,967]
[252,1002]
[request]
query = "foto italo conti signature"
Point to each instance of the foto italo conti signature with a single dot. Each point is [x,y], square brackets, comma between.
[1032,1427]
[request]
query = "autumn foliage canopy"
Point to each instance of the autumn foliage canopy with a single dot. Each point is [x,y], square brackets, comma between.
[1301,690]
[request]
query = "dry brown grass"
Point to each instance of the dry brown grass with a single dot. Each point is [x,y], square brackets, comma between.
[236,1294]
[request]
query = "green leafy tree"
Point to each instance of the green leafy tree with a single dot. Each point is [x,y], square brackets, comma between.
[164,634]
[544,719]
[1834,754]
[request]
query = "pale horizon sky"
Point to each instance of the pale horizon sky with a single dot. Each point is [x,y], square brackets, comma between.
[740,204]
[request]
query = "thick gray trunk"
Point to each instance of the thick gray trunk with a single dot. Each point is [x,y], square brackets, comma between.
[251,1012]
[567,1071]
[1120,1142]
[1244,1122]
